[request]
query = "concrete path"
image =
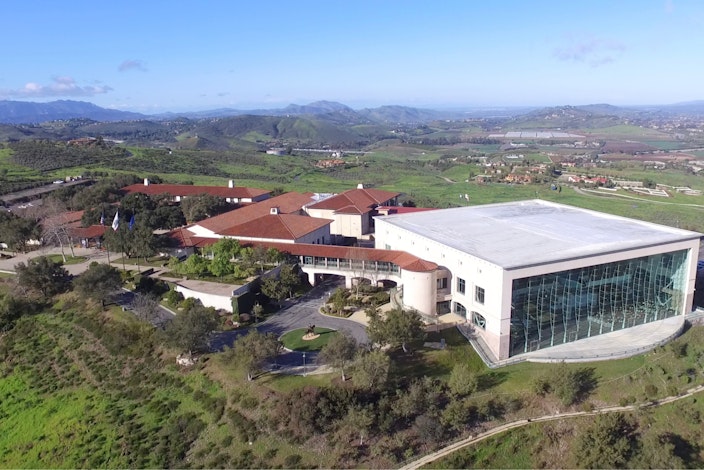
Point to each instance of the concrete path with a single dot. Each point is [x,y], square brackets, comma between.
[7,265]
[523,422]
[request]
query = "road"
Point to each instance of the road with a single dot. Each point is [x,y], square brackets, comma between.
[299,314]
[447,450]
[159,319]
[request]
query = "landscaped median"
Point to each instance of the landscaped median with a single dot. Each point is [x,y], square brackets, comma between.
[301,339]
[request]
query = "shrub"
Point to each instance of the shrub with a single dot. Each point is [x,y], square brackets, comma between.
[679,349]
[292,461]
[173,297]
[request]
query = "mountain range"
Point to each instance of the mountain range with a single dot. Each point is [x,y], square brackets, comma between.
[26,112]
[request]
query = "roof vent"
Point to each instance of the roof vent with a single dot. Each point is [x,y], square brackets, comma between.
[146,181]
[360,186]
[274,211]
[231,184]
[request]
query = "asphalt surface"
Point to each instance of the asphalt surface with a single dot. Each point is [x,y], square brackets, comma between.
[299,314]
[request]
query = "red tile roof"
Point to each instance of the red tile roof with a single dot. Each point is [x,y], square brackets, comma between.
[287,203]
[238,192]
[405,260]
[355,201]
[69,217]
[92,231]
[279,227]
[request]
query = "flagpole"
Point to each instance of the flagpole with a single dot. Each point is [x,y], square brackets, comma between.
[122,242]
[131,226]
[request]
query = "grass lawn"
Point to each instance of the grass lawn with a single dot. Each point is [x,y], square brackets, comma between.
[57,258]
[294,339]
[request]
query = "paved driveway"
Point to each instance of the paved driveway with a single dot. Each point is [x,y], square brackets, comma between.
[300,314]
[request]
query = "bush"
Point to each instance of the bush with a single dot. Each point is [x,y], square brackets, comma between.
[292,461]
[173,297]
[679,349]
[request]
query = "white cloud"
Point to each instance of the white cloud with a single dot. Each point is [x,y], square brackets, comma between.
[61,86]
[132,64]
[593,51]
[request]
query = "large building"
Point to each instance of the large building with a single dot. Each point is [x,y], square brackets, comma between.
[534,274]
[178,192]
[278,220]
[352,211]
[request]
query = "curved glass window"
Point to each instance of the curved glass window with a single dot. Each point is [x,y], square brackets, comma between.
[566,306]
[478,320]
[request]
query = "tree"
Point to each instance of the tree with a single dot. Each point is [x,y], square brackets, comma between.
[146,307]
[398,328]
[11,309]
[190,329]
[254,258]
[254,350]
[463,381]
[99,282]
[273,288]
[607,443]
[457,415]
[224,251]
[371,369]
[667,450]
[357,421]
[339,351]
[290,278]
[55,224]
[257,311]
[195,265]
[571,385]
[16,231]
[140,241]
[44,276]
[199,207]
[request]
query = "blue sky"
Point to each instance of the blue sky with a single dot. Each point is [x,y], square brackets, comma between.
[153,56]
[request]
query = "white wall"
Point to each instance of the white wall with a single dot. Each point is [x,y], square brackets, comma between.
[347,225]
[498,283]
[208,300]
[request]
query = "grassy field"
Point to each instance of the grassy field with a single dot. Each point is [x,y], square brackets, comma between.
[294,341]
[81,389]
[57,258]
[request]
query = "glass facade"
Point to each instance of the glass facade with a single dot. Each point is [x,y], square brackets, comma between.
[557,308]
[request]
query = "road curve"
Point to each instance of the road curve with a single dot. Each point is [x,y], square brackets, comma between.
[523,422]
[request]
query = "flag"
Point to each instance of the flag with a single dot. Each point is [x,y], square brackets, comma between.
[102,218]
[116,222]
[131,222]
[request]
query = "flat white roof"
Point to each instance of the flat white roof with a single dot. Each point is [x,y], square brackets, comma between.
[525,233]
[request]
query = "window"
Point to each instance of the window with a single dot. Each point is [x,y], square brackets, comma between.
[479,320]
[442,283]
[460,309]
[479,294]
[460,285]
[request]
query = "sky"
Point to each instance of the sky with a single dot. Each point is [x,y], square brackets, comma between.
[153,56]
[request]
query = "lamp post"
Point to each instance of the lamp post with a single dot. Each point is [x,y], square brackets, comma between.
[304,364]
